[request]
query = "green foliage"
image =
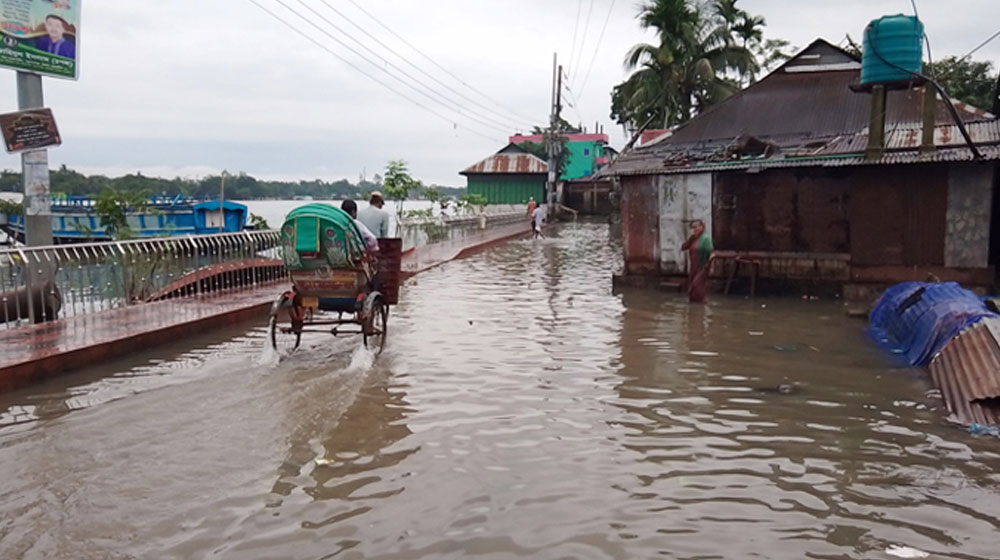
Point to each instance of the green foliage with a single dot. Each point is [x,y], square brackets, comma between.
[705,52]
[432,194]
[398,183]
[972,81]
[11,207]
[257,222]
[112,208]
[472,200]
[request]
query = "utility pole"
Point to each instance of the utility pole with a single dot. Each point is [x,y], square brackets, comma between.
[34,170]
[222,201]
[550,186]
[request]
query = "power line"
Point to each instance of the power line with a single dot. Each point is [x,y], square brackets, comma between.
[488,122]
[981,45]
[576,27]
[597,48]
[506,119]
[583,41]
[442,68]
[363,72]
[927,40]
[572,99]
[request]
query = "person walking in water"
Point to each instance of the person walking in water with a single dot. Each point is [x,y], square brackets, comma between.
[537,221]
[699,247]
[531,208]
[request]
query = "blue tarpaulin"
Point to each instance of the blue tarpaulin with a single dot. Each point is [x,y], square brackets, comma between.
[916,319]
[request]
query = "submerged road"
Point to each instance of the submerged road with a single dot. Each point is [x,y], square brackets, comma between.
[521,409]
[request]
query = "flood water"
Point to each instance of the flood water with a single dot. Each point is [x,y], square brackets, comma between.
[521,410]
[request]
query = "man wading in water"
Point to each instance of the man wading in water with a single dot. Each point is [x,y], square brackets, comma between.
[699,248]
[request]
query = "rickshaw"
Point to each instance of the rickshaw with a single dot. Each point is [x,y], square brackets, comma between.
[338,287]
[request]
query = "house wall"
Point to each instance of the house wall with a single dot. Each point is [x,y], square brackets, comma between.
[875,224]
[507,188]
[782,210]
[582,156]
[970,198]
[898,215]
[681,198]
[641,224]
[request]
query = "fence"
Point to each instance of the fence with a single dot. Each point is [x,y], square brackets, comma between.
[420,232]
[38,283]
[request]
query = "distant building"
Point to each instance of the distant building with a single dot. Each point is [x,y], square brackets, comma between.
[510,176]
[779,173]
[588,153]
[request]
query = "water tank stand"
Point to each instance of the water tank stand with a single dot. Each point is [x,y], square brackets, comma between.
[876,124]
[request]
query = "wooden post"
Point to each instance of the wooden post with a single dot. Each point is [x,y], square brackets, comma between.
[876,124]
[930,116]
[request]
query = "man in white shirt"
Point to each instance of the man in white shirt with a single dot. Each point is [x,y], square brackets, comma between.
[374,217]
[538,220]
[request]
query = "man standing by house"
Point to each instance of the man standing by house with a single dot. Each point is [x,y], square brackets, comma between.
[374,217]
[699,247]
[531,208]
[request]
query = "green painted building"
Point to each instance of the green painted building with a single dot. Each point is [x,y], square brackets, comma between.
[510,176]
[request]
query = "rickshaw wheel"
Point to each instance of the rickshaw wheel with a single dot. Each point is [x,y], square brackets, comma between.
[376,322]
[285,324]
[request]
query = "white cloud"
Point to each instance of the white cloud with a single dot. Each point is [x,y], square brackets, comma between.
[189,87]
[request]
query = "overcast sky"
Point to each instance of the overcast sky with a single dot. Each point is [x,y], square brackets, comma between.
[191,87]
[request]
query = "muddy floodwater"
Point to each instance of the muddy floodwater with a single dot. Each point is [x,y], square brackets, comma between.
[522,409]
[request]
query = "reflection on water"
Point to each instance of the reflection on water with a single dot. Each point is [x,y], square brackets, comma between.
[521,409]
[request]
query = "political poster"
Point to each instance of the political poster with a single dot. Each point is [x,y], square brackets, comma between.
[41,36]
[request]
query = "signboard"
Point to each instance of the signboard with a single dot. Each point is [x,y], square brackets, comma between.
[29,130]
[40,36]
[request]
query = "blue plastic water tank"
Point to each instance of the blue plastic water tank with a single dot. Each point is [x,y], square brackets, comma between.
[892,49]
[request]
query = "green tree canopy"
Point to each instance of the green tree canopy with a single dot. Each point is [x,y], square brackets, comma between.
[972,81]
[703,54]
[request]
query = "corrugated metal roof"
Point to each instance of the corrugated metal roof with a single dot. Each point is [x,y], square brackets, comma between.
[509,163]
[967,371]
[808,114]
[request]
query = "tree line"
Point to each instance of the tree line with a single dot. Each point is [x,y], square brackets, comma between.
[65,181]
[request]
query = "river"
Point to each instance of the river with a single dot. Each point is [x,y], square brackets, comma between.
[522,409]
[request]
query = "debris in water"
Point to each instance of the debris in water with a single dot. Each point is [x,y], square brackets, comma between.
[323,461]
[906,552]
[755,333]
[790,348]
[983,430]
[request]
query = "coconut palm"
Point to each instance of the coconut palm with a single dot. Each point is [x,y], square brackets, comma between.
[686,71]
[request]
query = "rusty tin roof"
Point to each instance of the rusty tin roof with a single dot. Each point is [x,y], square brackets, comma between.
[967,371]
[508,163]
[809,115]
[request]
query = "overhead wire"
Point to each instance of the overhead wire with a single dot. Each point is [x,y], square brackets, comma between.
[484,121]
[513,123]
[572,99]
[981,45]
[360,70]
[927,40]
[442,68]
[583,40]
[600,39]
[576,28]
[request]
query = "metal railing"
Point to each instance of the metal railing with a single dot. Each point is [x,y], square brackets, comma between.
[39,283]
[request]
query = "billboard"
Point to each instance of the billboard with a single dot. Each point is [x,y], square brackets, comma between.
[40,36]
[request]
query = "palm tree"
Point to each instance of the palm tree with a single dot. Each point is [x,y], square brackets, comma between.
[687,69]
